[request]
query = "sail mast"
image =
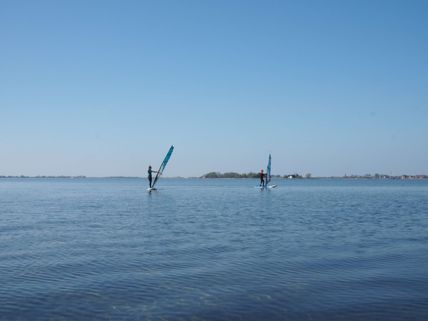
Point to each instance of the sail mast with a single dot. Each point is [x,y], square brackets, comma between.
[268,170]
[163,165]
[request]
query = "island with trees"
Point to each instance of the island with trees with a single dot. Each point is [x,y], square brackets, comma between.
[309,176]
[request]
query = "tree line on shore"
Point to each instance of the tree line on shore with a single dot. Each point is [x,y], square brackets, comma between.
[248,175]
[309,175]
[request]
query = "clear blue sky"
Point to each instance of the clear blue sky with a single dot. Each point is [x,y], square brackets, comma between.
[103,88]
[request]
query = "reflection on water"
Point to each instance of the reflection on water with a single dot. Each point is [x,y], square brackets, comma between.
[213,249]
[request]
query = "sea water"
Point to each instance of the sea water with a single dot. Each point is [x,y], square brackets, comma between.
[214,249]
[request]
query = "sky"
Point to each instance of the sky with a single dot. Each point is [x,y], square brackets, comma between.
[103,88]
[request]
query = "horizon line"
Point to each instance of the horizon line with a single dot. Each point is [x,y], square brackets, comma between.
[286,176]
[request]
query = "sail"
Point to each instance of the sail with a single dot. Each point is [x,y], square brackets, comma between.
[268,169]
[162,167]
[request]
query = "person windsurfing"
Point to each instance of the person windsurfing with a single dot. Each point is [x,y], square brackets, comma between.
[262,178]
[149,172]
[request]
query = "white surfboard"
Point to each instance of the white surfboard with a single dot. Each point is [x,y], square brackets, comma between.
[151,189]
[267,187]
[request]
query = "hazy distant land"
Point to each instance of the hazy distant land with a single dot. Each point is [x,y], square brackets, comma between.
[309,176]
[241,175]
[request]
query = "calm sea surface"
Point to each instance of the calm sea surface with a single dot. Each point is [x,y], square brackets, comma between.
[101,249]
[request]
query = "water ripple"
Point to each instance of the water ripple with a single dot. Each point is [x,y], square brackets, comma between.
[213,250]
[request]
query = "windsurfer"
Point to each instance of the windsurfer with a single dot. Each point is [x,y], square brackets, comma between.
[262,178]
[149,172]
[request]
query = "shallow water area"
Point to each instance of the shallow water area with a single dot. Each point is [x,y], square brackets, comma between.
[213,249]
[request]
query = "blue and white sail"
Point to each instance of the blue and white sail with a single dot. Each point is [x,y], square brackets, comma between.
[163,165]
[268,170]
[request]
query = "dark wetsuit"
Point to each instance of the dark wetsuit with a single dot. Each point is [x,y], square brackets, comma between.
[262,179]
[149,172]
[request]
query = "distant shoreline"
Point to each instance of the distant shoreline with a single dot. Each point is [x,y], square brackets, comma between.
[212,175]
[233,176]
